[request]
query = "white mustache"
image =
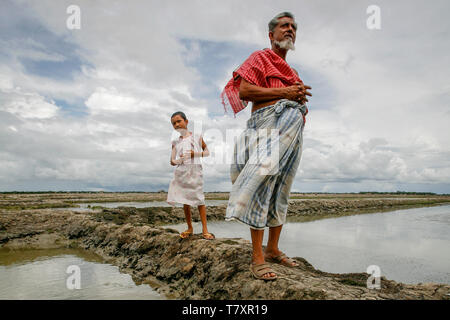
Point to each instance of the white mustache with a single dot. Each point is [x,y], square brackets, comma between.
[286,44]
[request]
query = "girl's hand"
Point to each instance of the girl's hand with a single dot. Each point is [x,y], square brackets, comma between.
[188,154]
[178,161]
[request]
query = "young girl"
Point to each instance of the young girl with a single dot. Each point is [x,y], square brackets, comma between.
[187,184]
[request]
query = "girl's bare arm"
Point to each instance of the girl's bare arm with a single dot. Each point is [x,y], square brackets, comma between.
[173,156]
[204,153]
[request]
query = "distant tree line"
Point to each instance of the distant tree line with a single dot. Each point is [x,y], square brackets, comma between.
[40,192]
[376,192]
[399,192]
[160,191]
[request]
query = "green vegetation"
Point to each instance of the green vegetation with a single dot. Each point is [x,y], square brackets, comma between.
[353,211]
[225,192]
[25,206]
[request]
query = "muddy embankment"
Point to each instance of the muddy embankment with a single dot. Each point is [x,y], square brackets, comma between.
[191,268]
[298,210]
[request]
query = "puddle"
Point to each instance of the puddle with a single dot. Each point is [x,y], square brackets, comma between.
[52,274]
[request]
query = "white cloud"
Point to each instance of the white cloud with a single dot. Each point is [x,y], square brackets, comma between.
[27,105]
[385,122]
[29,49]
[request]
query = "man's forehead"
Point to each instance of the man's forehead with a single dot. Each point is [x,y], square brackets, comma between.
[283,20]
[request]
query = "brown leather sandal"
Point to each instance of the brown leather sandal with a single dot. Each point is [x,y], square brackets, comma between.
[186,234]
[284,260]
[258,270]
[208,236]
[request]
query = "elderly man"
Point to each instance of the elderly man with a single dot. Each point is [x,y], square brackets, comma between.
[260,198]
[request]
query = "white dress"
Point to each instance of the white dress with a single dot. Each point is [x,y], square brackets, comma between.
[186,186]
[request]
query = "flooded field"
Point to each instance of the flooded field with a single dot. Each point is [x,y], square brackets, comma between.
[335,237]
[410,246]
[50,274]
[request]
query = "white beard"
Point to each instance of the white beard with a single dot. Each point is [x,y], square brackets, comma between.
[287,44]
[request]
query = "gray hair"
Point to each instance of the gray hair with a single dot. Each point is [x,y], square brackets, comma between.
[274,22]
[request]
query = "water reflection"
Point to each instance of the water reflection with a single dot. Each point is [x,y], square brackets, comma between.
[41,274]
[89,206]
[409,246]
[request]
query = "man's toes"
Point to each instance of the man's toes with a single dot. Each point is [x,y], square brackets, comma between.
[269,275]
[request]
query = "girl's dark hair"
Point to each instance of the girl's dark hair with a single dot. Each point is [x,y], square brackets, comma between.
[179,113]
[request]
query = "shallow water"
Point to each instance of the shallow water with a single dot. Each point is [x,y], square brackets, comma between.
[409,246]
[88,206]
[43,274]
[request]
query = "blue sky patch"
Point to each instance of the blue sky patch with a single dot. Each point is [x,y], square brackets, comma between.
[60,70]
[71,109]
[213,63]
[53,56]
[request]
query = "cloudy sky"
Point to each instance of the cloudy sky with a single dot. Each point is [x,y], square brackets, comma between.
[89,108]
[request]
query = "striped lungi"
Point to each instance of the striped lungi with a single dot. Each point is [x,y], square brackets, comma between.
[265,161]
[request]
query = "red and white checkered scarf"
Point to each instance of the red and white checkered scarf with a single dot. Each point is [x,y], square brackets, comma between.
[264,68]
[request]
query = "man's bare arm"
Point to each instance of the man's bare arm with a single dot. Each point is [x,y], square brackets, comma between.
[251,92]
